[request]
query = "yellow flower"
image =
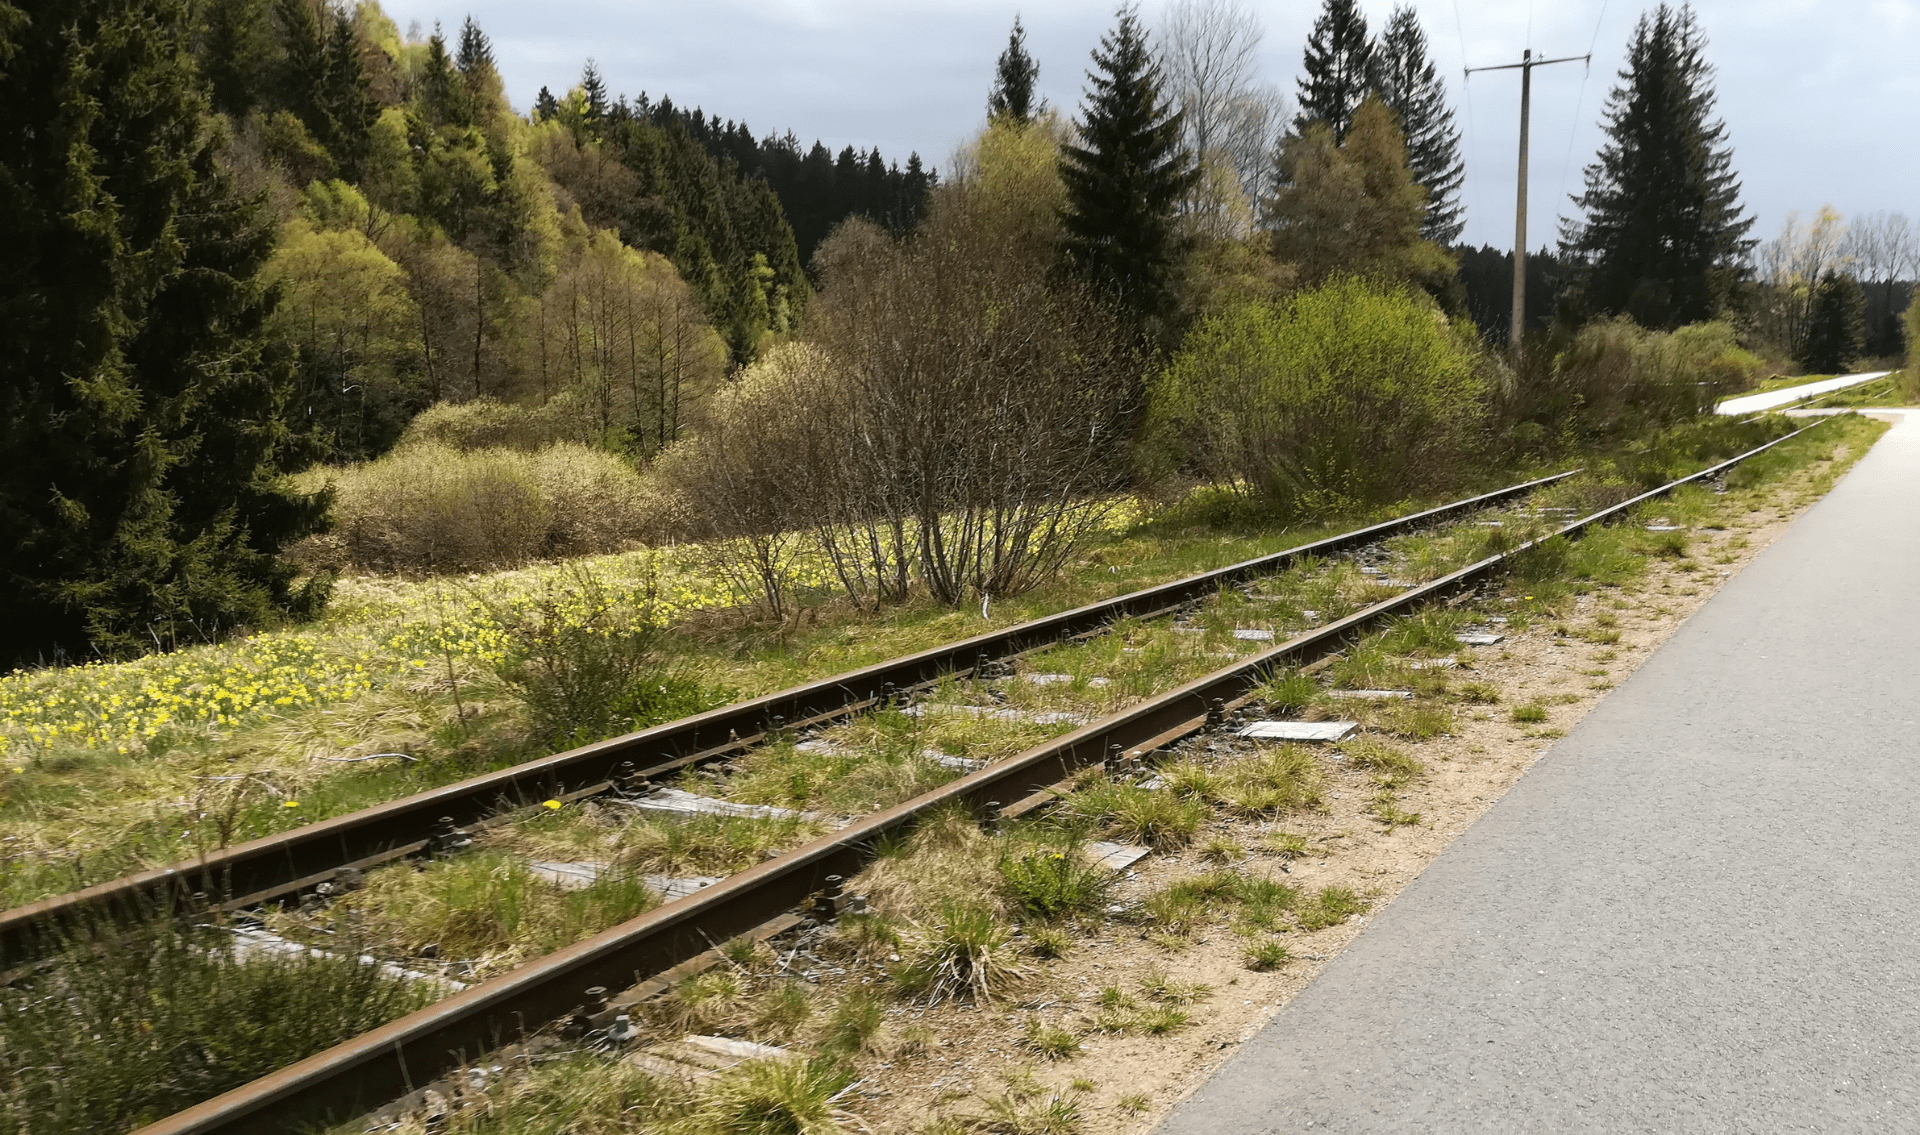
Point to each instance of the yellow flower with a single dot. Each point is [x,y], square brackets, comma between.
[291,804]
[551,805]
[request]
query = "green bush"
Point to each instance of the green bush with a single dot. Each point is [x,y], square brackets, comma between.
[1617,377]
[1342,395]
[428,507]
[584,660]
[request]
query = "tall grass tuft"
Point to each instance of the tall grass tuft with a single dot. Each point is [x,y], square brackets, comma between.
[134,1025]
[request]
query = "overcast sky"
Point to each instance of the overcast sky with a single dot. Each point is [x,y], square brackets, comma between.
[1821,99]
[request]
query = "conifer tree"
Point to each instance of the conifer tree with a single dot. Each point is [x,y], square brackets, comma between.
[443,94]
[142,406]
[1837,327]
[595,88]
[1013,81]
[1339,69]
[1663,235]
[545,106]
[348,107]
[1408,84]
[1126,177]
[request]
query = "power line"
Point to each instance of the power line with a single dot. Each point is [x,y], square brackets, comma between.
[1580,102]
[1466,94]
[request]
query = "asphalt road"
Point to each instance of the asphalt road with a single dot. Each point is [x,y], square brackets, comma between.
[1700,911]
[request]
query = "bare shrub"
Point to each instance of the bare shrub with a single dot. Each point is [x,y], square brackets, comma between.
[954,417]
[483,423]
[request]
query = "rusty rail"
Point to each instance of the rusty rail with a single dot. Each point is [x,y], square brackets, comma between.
[360,1074]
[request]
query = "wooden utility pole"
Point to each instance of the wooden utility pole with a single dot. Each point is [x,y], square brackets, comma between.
[1525,66]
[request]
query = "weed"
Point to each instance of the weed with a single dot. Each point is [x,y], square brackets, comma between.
[1287,845]
[1430,631]
[781,1010]
[855,1024]
[1529,714]
[1478,693]
[1292,690]
[1135,1103]
[1277,779]
[134,1025]
[1331,907]
[1378,756]
[1050,1041]
[1220,851]
[869,932]
[492,906]
[704,1002]
[965,956]
[1668,545]
[1265,957]
[1019,1113]
[1049,941]
[1082,1084]
[1163,1019]
[1160,819]
[1370,667]
[1176,911]
[1054,884]
[1189,779]
[775,1097]
[1416,721]
[1386,809]
[1156,985]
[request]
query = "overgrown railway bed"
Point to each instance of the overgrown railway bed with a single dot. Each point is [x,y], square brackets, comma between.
[569,984]
[288,863]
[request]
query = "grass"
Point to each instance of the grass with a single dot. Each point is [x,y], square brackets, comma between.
[1331,907]
[489,909]
[965,956]
[1531,713]
[139,1025]
[1052,884]
[1265,957]
[1050,1041]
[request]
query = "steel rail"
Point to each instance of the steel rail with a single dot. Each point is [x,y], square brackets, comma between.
[382,1065]
[286,862]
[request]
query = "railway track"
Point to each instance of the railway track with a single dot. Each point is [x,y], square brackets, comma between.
[370,1070]
[298,860]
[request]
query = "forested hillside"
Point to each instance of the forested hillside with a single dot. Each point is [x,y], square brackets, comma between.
[439,246]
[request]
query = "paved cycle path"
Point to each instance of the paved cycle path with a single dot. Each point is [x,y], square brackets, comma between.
[1699,912]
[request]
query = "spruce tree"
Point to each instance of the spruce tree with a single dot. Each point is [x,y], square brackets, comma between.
[1837,327]
[1127,177]
[1409,85]
[1339,69]
[1663,236]
[545,106]
[595,88]
[1013,80]
[348,107]
[142,406]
